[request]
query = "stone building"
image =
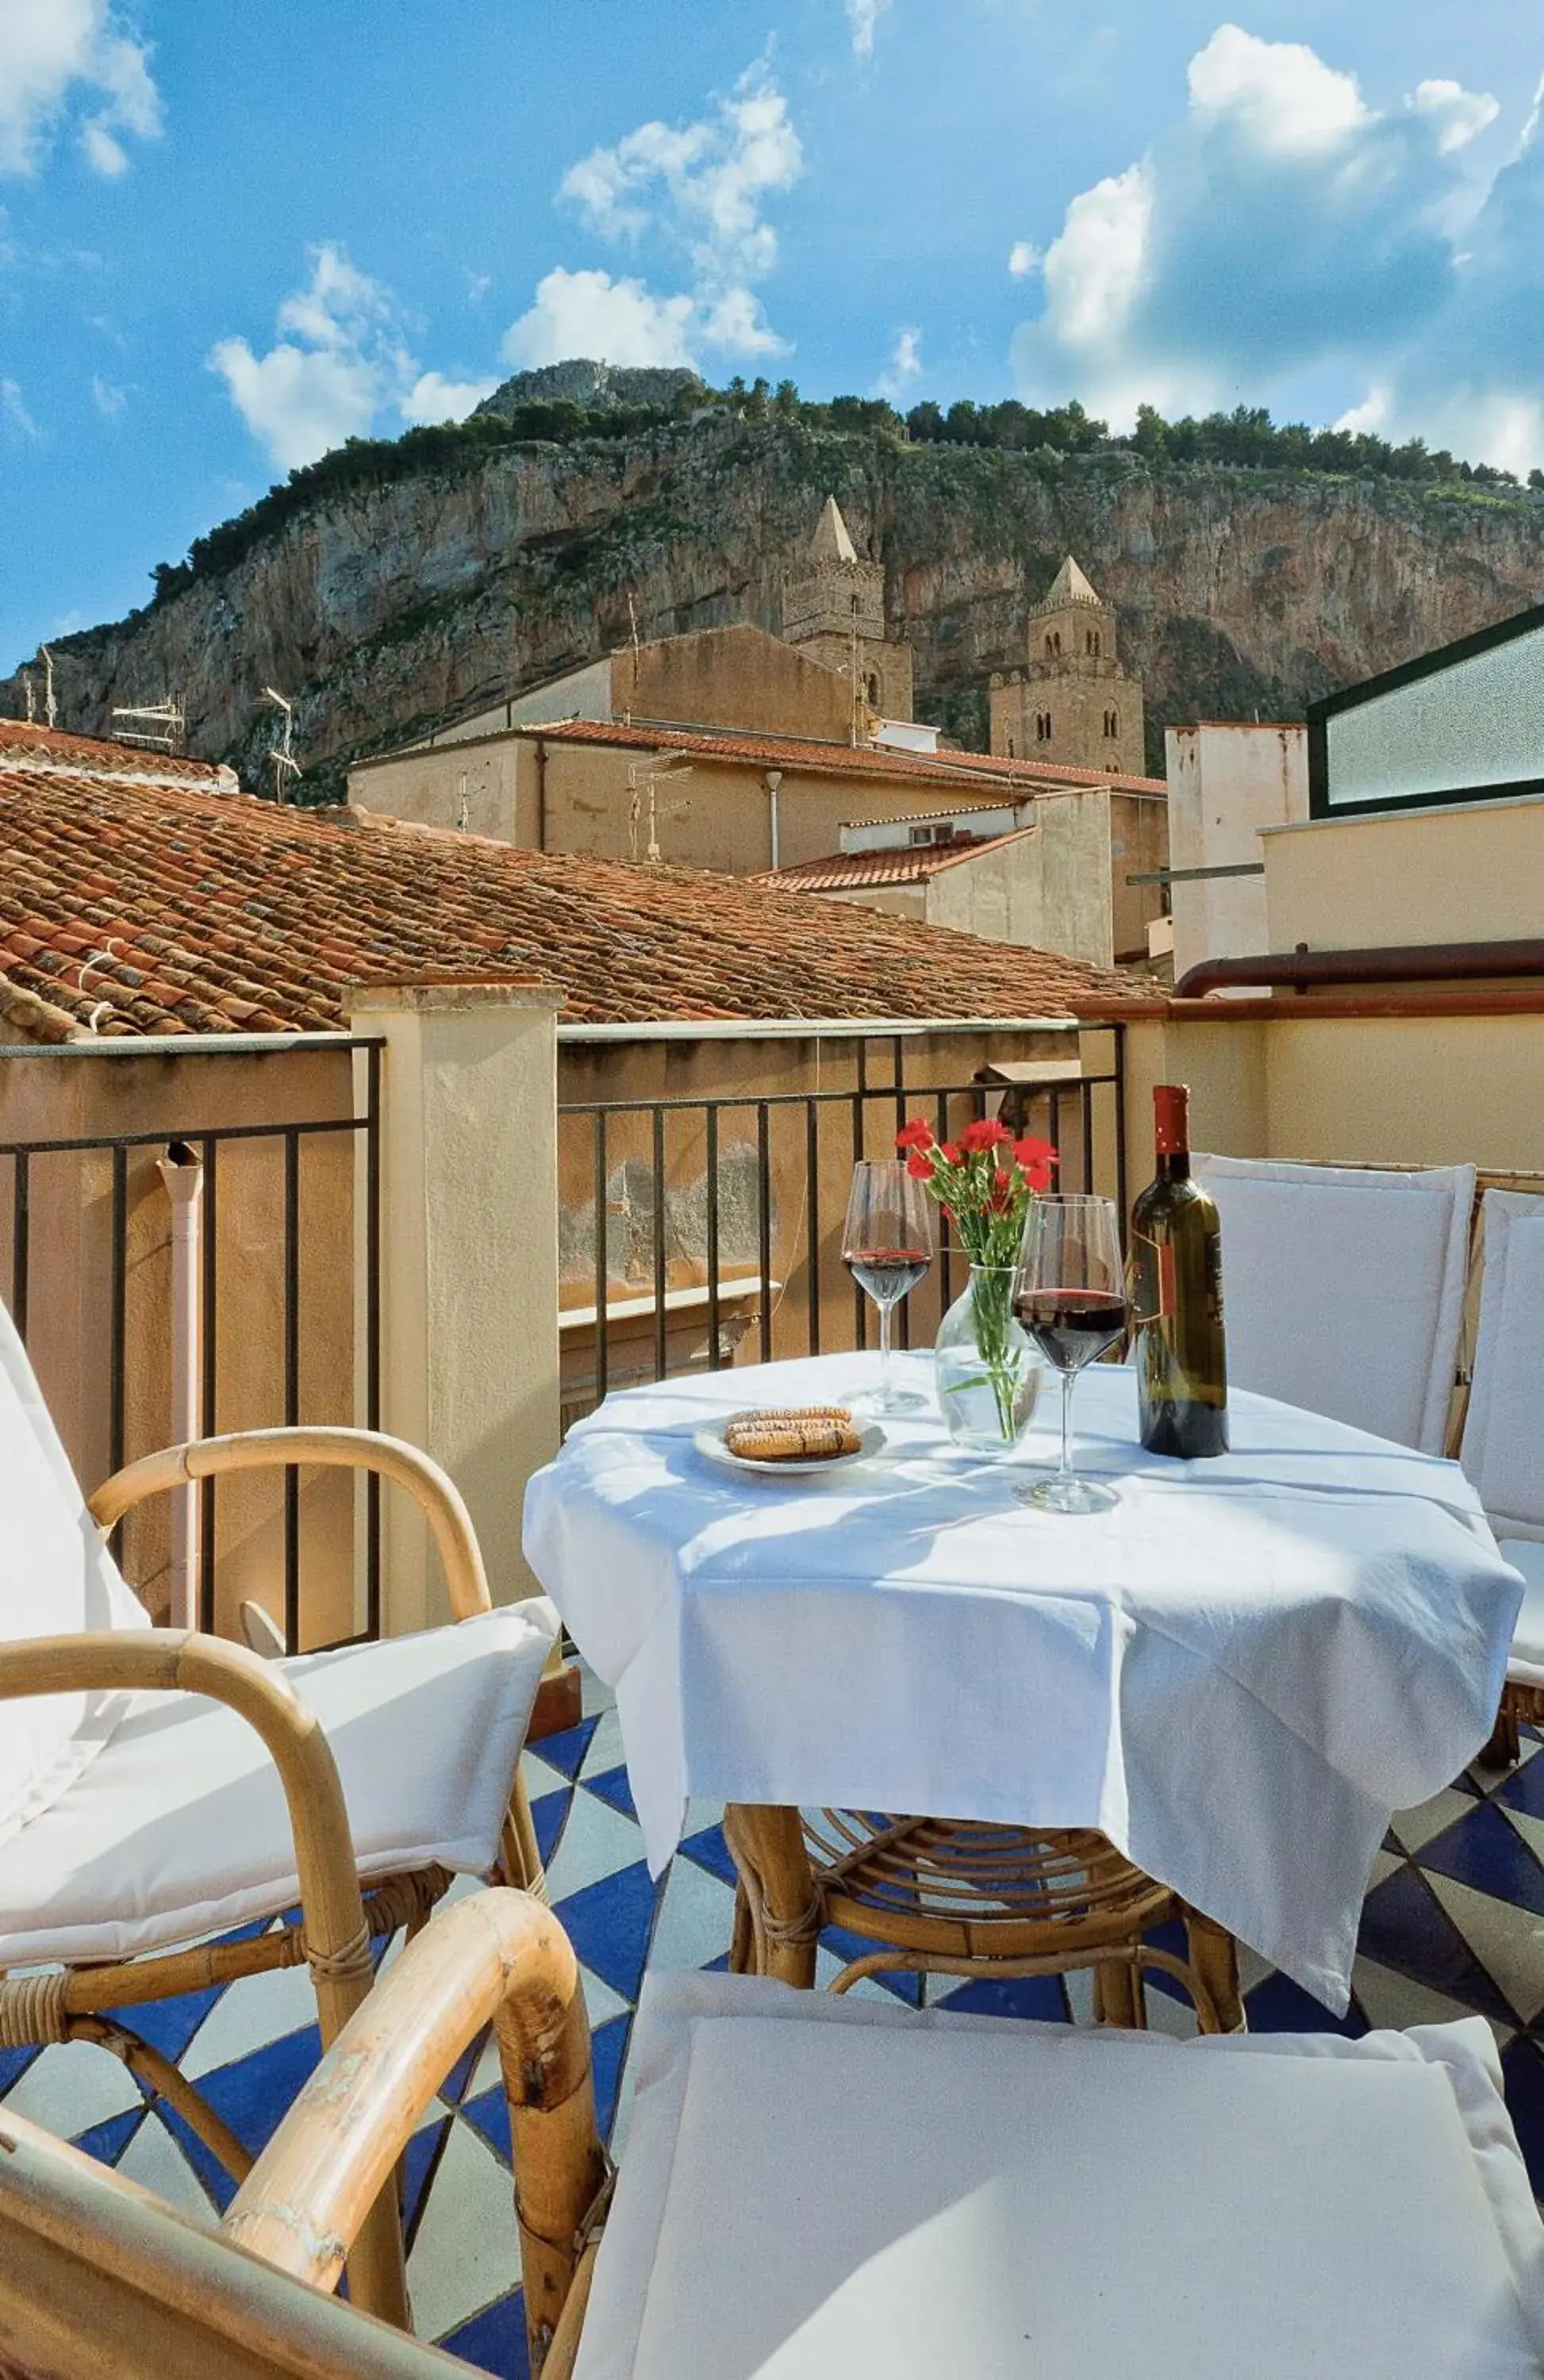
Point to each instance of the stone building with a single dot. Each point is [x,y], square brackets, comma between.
[833,611]
[1072,701]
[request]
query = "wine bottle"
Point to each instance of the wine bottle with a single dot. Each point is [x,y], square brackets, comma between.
[1176,1292]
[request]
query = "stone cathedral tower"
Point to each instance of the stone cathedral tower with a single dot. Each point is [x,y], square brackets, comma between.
[1072,701]
[833,610]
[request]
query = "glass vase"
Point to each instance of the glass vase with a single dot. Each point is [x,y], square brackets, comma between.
[987,1369]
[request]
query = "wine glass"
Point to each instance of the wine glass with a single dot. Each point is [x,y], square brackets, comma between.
[1071,1297]
[887,1245]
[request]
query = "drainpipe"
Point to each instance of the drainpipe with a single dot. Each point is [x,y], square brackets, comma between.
[183,1175]
[771,781]
[540,793]
[1302,969]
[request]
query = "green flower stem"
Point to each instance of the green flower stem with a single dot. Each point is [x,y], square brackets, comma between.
[991,1300]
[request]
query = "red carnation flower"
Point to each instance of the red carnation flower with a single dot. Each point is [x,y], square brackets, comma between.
[920,1166]
[916,1134]
[950,1153]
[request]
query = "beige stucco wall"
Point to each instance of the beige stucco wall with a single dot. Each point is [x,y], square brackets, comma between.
[1228,782]
[1471,873]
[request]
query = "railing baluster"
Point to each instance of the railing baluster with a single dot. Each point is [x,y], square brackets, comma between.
[763,1224]
[660,1350]
[861,1304]
[372,1331]
[210,1150]
[812,1224]
[292,1387]
[715,1352]
[945,1289]
[603,1260]
[118,1312]
[21,1228]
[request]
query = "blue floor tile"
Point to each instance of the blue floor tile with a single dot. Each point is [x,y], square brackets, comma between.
[13,2066]
[612,1787]
[1043,1998]
[254,2093]
[609,1924]
[1404,1927]
[1524,1789]
[420,2163]
[710,1850]
[567,1750]
[609,2045]
[461,2073]
[1278,2005]
[219,2184]
[169,2025]
[488,2112]
[548,1814]
[1523,2071]
[1481,1849]
[494,2341]
[107,2142]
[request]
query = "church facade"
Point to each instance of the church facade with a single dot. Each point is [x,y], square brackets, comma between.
[1071,702]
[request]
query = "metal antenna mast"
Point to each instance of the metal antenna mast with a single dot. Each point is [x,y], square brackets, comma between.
[280,756]
[162,728]
[51,709]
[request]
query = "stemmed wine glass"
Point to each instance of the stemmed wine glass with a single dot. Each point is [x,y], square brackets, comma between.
[887,1245]
[1071,1297]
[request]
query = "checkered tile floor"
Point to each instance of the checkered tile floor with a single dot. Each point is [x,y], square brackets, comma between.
[1455,1922]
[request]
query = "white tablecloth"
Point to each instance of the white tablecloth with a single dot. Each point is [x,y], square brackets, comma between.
[1238,1674]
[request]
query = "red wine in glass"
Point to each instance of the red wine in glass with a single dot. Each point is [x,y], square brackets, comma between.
[1071,1327]
[887,1274]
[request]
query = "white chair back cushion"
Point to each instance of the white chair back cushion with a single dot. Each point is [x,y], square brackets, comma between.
[1503,1432]
[1343,1289]
[57,1578]
[815,2187]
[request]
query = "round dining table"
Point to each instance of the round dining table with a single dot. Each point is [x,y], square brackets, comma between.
[1235,1674]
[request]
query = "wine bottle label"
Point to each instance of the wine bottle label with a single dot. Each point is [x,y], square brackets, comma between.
[1214,1276]
[1152,1281]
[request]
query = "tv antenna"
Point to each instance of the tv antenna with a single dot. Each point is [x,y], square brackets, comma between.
[160,727]
[29,691]
[652,778]
[283,757]
[50,708]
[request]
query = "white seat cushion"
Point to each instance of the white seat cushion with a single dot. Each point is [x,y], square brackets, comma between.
[178,1828]
[1503,1430]
[820,2190]
[1525,1663]
[56,1577]
[1343,1289]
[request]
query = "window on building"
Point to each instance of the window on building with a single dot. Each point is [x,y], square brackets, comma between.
[1091,643]
[1010,747]
[1042,726]
[1112,725]
[1050,648]
[872,687]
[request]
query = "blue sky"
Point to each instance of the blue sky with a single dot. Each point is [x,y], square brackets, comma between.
[231,235]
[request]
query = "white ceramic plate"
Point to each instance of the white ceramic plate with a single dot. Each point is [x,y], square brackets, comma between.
[709,1441]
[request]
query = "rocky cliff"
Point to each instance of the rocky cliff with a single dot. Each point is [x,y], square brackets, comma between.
[384,609]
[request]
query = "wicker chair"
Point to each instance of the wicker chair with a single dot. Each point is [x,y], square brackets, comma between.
[136,1829]
[815,2185]
[1501,1449]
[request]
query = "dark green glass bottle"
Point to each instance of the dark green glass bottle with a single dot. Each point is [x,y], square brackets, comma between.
[1176,1295]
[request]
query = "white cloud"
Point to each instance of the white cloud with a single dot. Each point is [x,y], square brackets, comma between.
[14,415]
[107,398]
[478,285]
[1285,234]
[590,314]
[433,398]
[700,188]
[60,57]
[863,16]
[1022,259]
[341,359]
[904,366]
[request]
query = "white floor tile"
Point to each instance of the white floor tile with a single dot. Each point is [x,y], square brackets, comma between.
[1384,1864]
[605,1747]
[73,2085]
[1389,2000]
[1508,1942]
[696,1914]
[258,2009]
[153,2159]
[593,1695]
[1529,1827]
[466,2252]
[1176,2018]
[597,1840]
[1417,1828]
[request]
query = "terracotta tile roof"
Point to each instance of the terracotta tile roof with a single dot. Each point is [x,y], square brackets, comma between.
[24,743]
[166,909]
[805,753]
[854,871]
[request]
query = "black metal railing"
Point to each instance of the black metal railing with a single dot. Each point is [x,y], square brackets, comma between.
[718,1219]
[347,1249]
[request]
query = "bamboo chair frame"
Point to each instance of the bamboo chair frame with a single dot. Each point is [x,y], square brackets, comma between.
[339,1917]
[97,2274]
[960,1898]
